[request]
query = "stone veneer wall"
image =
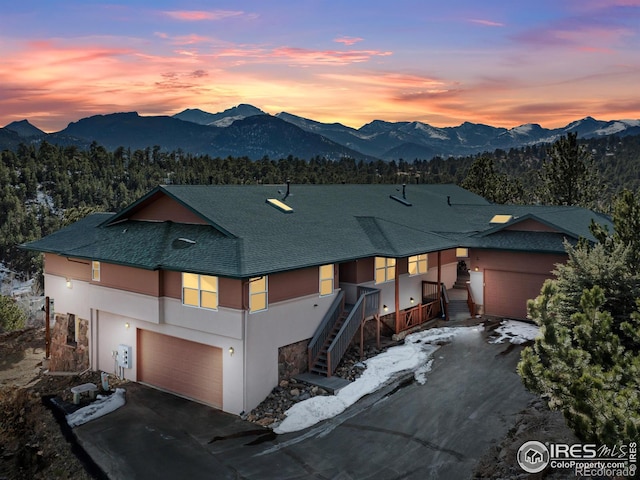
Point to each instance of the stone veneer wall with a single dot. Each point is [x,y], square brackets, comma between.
[292,360]
[69,356]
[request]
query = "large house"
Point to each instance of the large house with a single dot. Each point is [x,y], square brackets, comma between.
[203,290]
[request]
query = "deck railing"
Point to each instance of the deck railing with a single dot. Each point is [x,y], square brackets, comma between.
[414,316]
[325,327]
[367,304]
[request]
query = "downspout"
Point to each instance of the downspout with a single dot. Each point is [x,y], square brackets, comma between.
[244,348]
[397,294]
[244,361]
[439,288]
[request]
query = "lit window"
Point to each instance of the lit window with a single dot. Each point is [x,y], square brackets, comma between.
[385,269]
[200,290]
[95,271]
[418,264]
[462,252]
[258,294]
[326,279]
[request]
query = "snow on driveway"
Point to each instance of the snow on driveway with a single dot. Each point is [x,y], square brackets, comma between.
[105,404]
[516,332]
[414,355]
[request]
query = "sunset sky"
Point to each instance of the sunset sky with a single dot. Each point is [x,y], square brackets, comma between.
[502,63]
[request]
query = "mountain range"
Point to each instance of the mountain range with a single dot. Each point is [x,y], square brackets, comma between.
[245,130]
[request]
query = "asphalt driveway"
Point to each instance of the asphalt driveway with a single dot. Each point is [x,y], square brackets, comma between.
[405,430]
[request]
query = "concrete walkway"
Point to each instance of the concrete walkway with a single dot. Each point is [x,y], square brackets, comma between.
[405,430]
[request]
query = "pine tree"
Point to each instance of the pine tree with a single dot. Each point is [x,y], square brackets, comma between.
[587,361]
[569,175]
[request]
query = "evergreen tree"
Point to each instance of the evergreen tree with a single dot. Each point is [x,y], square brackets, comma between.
[483,179]
[11,315]
[587,361]
[569,175]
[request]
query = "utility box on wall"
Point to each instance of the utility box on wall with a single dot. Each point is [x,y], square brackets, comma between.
[124,356]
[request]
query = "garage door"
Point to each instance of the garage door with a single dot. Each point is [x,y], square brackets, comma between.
[189,369]
[506,293]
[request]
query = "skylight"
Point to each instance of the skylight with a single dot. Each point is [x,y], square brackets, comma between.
[403,201]
[501,218]
[280,205]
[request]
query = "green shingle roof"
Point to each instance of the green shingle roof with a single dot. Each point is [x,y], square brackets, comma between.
[244,236]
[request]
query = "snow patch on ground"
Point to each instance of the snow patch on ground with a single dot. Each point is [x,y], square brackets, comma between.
[103,405]
[515,332]
[414,355]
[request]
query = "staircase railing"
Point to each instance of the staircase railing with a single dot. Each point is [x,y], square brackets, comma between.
[445,301]
[470,302]
[325,327]
[367,305]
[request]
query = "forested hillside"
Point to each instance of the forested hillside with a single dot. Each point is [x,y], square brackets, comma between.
[44,187]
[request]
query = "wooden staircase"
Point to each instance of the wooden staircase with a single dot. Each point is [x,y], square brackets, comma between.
[320,366]
[337,329]
[458,297]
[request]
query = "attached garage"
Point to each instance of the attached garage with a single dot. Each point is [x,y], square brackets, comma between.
[189,369]
[506,293]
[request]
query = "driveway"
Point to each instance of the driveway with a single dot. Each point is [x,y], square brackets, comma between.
[405,430]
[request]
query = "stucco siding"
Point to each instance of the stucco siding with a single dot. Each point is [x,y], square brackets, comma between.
[282,324]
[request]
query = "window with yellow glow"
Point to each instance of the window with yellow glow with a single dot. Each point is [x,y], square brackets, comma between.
[258,294]
[385,269]
[326,279]
[200,290]
[462,252]
[418,264]
[95,271]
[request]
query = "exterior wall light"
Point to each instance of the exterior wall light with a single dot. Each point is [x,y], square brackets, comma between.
[231,351]
[412,300]
[385,308]
[69,285]
[127,325]
[476,269]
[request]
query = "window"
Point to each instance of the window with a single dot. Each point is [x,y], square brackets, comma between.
[385,269]
[462,252]
[326,279]
[200,290]
[95,271]
[418,264]
[258,294]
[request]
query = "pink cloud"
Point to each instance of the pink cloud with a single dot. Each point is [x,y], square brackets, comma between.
[201,15]
[308,56]
[348,40]
[487,23]
[299,56]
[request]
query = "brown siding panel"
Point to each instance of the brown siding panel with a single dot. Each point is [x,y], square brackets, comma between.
[166,209]
[296,283]
[75,269]
[131,279]
[531,225]
[171,284]
[230,293]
